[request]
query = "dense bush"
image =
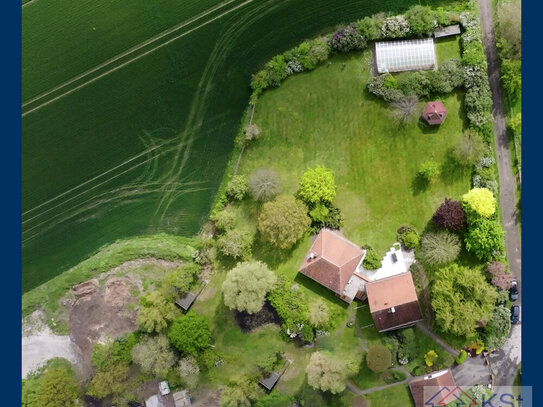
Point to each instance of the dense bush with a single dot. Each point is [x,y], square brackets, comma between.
[283,221]
[372,261]
[120,350]
[317,185]
[370,27]
[156,312]
[347,39]
[450,215]
[246,286]
[328,373]
[402,236]
[411,240]
[385,87]
[395,27]
[236,244]
[496,331]
[461,357]
[500,278]
[510,29]
[439,247]
[430,357]
[429,171]
[242,391]
[480,200]
[274,399]
[408,345]
[512,76]
[326,215]
[469,149]
[237,188]
[461,297]
[318,314]
[224,220]
[264,184]
[378,358]
[484,238]
[291,306]
[154,355]
[421,19]
[190,333]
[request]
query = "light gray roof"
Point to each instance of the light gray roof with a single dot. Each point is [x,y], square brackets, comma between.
[406,55]
[181,399]
[447,31]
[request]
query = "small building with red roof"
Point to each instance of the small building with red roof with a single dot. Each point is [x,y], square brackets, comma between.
[434,112]
[438,385]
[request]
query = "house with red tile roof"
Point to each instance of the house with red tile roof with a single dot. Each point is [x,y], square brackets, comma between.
[438,385]
[336,263]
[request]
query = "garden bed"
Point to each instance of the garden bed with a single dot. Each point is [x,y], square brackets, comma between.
[248,322]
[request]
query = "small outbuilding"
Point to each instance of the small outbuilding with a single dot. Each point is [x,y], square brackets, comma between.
[447,31]
[186,301]
[434,113]
[269,382]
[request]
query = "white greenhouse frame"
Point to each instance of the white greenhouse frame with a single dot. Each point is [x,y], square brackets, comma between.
[408,55]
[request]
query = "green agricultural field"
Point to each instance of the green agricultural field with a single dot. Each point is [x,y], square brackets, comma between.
[130,110]
[327,118]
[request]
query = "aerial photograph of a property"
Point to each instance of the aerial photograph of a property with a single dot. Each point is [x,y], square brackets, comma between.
[271,203]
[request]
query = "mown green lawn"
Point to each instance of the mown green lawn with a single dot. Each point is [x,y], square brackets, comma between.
[327,118]
[395,396]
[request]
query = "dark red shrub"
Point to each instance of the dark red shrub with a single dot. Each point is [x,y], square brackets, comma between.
[500,278]
[450,215]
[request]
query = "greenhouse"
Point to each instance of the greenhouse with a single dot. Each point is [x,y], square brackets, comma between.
[408,55]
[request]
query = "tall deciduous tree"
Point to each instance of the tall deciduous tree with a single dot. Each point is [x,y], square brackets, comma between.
[283,221]
[156,312]
[460,298]
[241,392]
[246,286]
[329,373]
[154,355]
[190,333]
[318,314]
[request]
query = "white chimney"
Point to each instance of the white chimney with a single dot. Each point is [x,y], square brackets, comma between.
[392,310]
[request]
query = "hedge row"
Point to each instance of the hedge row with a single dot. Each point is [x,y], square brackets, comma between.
[416,22]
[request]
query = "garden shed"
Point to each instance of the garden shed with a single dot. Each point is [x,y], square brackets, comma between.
[407,55]
[447,31]
[269,382]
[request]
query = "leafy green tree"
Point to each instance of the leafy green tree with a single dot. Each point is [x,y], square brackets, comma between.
[510,27]
[237,188]
[481,200]
[329,373]
[469,149]
[274,399]
[460,298]
[120,350]
[371,261]
[190,333]
[429,171]
[246,286]
[268,361]
[224,220]
[264,184]
[512,76]
[179,280]
[52,386]
[484,238]
[439,247]
[283,221]
[378,358]
[154,355]
[110,382]
[317,185]
[421,19]
[236,244]
[241,392]
[318,314]
[156,312]
[515,123]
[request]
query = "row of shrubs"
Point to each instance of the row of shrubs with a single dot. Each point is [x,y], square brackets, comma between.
[416,22]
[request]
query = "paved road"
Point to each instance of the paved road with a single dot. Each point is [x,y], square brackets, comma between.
[504,362]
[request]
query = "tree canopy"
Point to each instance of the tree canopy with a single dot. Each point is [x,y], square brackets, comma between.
[484,238]
[52,386]
[190,333]
[378,358]
[241,392]
[460,298]
[283,221]
[329,373]
[154,355]
[264,184]
[156,312]
[450,215]
[317,185]
[246,286]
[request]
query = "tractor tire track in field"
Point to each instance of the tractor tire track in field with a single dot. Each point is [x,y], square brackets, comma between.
[197,112]
[128,54]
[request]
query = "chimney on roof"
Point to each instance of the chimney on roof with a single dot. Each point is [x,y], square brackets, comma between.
[392,310]
[311,256]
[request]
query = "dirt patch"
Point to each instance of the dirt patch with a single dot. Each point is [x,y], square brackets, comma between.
[103,315]
[248,322]
[84,289]
[207,293]
[290,373]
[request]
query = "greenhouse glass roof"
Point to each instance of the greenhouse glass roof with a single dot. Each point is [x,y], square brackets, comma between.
[409,55]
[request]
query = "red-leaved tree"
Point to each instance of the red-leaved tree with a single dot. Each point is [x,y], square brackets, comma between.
[450,215]
[500,278]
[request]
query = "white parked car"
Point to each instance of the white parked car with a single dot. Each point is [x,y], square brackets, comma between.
[164,388]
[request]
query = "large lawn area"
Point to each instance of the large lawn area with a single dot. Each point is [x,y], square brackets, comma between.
[328,118]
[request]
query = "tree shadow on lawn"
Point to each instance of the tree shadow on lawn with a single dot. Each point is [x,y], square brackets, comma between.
[270,254]
[419,185]
[451,171]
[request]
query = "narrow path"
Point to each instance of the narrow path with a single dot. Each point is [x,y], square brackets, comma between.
[358,331]
[437,339]
[353,388]
[508,184]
